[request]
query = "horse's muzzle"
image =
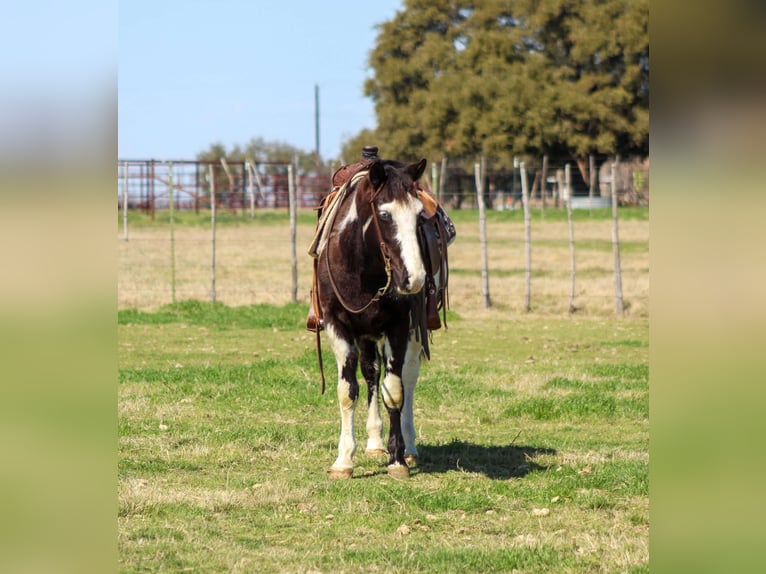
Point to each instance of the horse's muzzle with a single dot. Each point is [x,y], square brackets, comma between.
[412,285]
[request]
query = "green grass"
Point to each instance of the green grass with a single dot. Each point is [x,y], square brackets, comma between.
[290,316]
[533,439]
[469,216]
[223,217]
[280,217]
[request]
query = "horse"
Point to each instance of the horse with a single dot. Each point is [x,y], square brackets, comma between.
[370,273]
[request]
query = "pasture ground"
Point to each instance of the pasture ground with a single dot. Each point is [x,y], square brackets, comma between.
[253,260]
[533,433]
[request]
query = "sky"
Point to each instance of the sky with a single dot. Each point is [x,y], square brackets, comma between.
[58,75]
[196,72]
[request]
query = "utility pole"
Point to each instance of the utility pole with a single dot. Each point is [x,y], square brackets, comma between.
[316,122]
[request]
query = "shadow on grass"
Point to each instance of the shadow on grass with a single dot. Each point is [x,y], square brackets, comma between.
[496,462]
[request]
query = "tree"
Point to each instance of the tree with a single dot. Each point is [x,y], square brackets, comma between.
[504,78]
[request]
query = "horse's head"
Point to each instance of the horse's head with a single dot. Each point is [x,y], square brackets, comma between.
[394,219]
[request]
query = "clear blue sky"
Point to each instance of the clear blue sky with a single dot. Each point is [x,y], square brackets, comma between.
[195,72]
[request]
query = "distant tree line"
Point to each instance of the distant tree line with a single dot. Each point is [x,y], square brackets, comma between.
[562,78]
[261,151]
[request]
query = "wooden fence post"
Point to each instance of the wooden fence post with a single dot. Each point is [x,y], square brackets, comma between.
[293,207]
[527,236]
[479,174]
[211,177]
[591,182]
[544,183]
[618,301]
[568,183]
[442,179]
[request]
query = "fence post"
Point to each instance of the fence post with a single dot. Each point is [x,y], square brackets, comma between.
[568,183]
[543,183]
[479,174]
[442,178]
[125,200]
[527,237]
[618,301]
[211,177]
[591,182]
[172,233]
[293,207]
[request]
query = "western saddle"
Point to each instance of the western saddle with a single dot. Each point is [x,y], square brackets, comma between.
[435,233]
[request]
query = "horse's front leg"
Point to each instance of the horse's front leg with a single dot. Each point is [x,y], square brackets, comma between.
[347,357]
[370,365]
[393,397]
[410,373]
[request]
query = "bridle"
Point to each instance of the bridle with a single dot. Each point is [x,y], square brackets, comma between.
[383,252]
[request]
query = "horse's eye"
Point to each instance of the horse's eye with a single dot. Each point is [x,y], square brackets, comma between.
[384,216]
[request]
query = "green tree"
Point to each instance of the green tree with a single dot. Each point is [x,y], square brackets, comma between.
[504,78]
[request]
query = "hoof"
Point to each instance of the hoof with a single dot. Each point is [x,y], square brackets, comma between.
[398,471]
[411,460]
[341,473]
[375,452]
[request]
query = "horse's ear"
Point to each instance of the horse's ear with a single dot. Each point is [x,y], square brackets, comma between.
[377,174]
[415,170]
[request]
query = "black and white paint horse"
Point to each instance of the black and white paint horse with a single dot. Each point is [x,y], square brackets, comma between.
[370,270]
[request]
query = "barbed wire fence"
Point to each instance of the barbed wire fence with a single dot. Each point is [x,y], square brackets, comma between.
[238,191]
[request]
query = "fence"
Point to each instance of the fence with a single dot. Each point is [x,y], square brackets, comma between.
[257,259]
[248,185]
[240,186]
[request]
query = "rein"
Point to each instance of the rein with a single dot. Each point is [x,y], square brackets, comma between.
[383,252]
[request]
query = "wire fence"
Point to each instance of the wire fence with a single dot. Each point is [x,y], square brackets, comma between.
[171,249]
[245,186]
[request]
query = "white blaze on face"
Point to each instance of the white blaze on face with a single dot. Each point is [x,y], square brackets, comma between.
[404,214]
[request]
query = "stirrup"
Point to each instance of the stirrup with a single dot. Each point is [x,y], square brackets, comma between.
[312,324]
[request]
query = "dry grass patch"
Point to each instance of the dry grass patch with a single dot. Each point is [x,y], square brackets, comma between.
[253,262]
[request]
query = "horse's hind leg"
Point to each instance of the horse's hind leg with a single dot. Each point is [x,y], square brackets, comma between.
[410,372]
[347,358]
[370,365]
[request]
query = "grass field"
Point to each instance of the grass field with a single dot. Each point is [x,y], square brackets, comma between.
[532,428]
